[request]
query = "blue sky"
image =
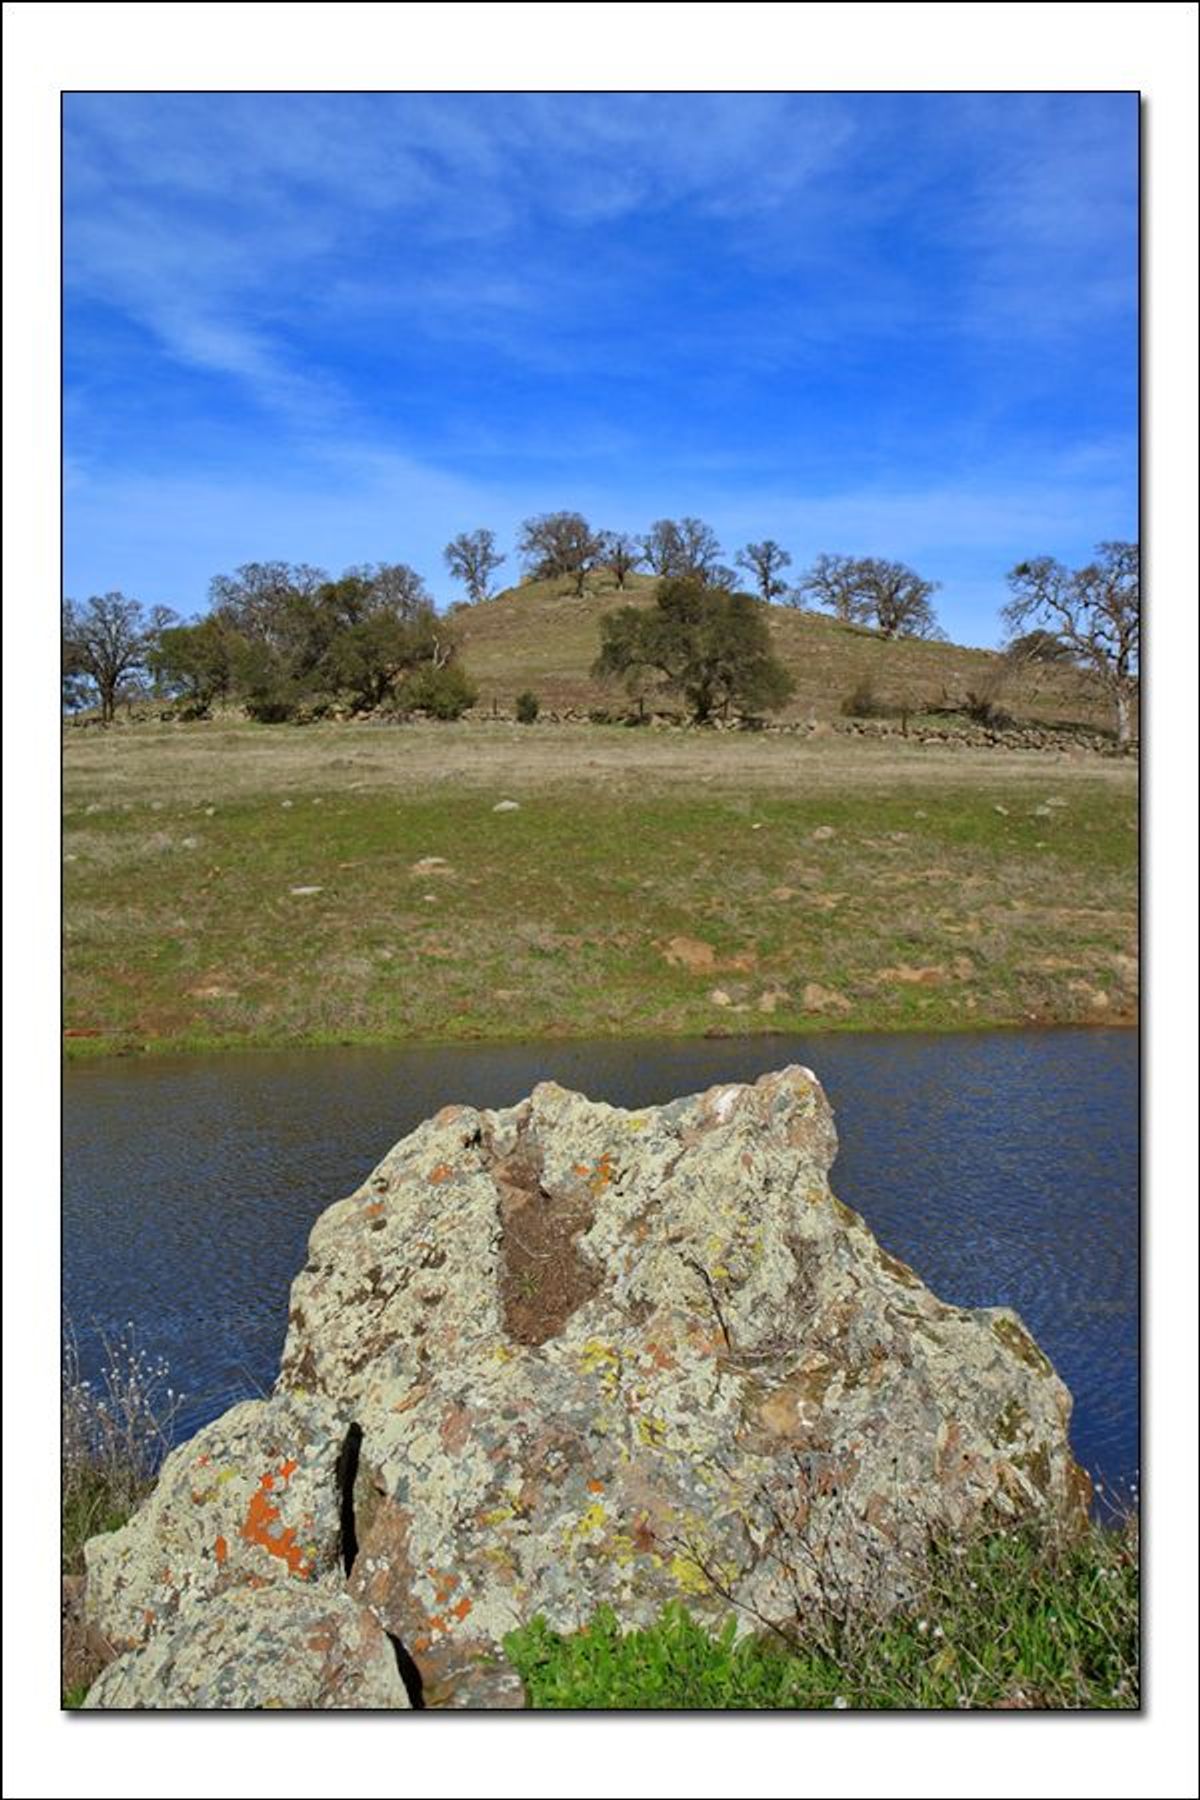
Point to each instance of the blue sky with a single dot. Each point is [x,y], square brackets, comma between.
[342,328]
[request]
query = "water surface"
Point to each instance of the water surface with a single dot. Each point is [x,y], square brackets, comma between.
[1001,1165]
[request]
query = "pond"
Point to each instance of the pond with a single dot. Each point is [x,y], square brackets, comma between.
[1002,1165]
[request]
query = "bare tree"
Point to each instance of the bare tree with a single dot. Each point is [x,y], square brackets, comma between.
[898,598]
[765,561]
[622,554]
[1094,612]
[872,590]
[831,582]
[560,544]
[472,558]
[108,640]
[685,547]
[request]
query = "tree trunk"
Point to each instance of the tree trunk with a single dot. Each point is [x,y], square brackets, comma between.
[1123,716]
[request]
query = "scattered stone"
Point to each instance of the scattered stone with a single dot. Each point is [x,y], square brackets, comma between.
[757,826]
[214,990]
[582,1356]
[287,803]
[719,997]
[689,953]
[1126,969]
[771,999]
[306,890]
[1042,812]
[1000,809]
[908,976]
[818,999]
[507,806]
[210,812]
[822,834]
[783,893]
[432,865]
[189,843]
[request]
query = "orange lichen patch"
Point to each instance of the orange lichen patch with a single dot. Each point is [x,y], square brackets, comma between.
[441,1173]
[462,1609]
[603,1174]
[595,1487]
[444,1583]
[221,1550]
[148,1615]
[203,1461]
[373,1211]
[422,1642]
[262,1522]
[583,1168]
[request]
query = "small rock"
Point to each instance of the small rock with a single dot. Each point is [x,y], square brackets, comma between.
[507,806]
[823,1000]
[286,803]
[1000,809]
[209,811]
[306,890]
[719,997]
[189,843]
[783,893]
[432,865]
[822,833]
[1042,812]
[768,1001]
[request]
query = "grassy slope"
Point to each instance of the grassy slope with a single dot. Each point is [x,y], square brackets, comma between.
[944,896]
[537,637]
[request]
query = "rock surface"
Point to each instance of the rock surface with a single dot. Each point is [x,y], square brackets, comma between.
[563,1355]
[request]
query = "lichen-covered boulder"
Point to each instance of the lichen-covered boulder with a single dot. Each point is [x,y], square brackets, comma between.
[276,1646]
[562,1355]
[623,1357]
[251,1501]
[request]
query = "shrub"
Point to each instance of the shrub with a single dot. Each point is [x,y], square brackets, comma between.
[528,707]
[1021,1619]
[444,693]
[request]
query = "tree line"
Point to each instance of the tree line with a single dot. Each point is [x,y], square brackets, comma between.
[279,637]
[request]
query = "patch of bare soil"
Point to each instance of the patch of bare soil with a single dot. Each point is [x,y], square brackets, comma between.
[543,1276]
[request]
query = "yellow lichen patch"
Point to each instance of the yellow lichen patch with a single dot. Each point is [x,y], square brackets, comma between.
[651,1430]
[689,1577]
[598,1358]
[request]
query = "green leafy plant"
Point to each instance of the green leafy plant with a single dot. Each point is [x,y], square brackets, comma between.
[528,708]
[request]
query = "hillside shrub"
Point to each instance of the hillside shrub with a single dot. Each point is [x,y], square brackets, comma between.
[528,707]
[444,693]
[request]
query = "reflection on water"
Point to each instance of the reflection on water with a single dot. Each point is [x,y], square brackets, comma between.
[1003,1166]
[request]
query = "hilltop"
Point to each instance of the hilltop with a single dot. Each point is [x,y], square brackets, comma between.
[537,636]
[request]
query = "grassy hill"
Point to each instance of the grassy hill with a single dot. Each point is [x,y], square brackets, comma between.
[538,636]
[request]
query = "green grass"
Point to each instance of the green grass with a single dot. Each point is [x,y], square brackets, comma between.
[182,930]
[1018,1621]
